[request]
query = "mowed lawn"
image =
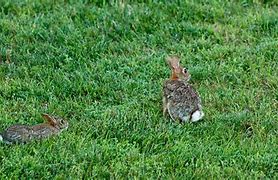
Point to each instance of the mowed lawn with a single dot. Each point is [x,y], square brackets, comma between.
[101,66]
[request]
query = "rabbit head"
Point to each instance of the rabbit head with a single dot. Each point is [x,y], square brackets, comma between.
[178,72]
[56,122]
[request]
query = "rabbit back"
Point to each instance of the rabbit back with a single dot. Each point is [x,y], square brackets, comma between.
[181,100]
[43,131]
[25,133]
[17,134]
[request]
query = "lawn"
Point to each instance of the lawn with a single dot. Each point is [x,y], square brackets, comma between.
[101,66]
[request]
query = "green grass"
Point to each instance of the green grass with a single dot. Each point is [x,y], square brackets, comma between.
[101,66]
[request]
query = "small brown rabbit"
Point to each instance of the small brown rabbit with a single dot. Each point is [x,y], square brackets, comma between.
[180,100]
[25,133]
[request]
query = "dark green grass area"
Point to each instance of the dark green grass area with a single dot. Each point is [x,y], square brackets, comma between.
[102,65]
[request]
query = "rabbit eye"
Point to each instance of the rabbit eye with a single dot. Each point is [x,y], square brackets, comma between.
[184,70]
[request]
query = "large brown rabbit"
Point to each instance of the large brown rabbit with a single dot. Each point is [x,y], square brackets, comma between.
[25,133]
[180,100]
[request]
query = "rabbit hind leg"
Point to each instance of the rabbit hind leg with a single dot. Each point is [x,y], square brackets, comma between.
[184,118]
[165,107]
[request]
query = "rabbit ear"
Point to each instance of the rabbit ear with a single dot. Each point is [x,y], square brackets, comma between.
[173,61]
[49,119]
